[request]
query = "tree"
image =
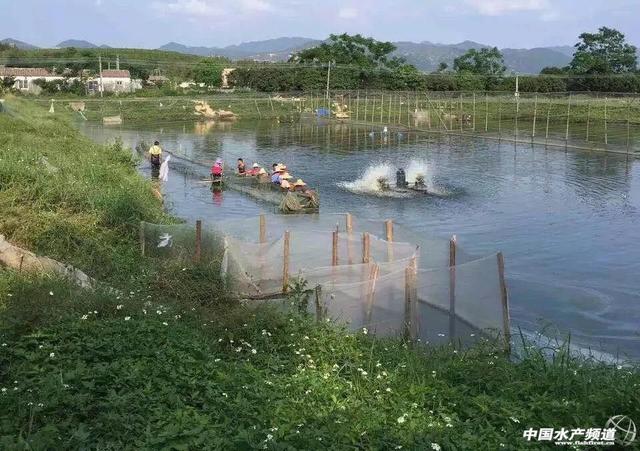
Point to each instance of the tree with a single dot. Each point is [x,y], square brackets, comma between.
[6,84]
[486,61]
[442,67]
[604,52]
[208,71]
[367,53]
[553,70]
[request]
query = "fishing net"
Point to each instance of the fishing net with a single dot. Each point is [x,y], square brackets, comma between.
[350,273]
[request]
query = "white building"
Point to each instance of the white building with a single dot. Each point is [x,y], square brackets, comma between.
[114,80]
[26,76]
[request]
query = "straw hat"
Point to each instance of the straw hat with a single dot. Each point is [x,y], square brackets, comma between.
[281,168]
[262,171]
[299,182]
[286,176]
[256,165]
[218,160]
[285,184]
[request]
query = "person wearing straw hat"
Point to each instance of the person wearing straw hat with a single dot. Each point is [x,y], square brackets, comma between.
[275,177]
[262,176]
[254,169]
[299,185]
[285,185]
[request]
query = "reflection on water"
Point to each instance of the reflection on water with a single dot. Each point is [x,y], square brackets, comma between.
[567,222]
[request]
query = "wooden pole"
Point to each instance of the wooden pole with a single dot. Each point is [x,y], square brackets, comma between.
[515,124]
[474,111]
[258,108]
[628,124]
[142,239]
[285,262]
[373,277]
[319,309]
[499,117]
[389,112]
[452,287]
[373,110]
[349,223]
[535,116]
[382,106]
[588,120]
[357,104]
[198,252]
[486,112]
[566,134]
[263,229]
[334,248]
[388,230]
[410,300]
[460,115]
[546,132]
[366,102]
[504,296]
[366,248]
[606,131]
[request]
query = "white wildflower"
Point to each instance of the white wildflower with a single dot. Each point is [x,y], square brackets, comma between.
[50,293]
[52,354]
[127,318]
[435,447]
[119,307]
[401,419]
[253,351]
[164,323]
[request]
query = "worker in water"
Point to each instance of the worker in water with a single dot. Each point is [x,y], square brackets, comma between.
[401,179]
[241,167]
[254,169]
[274,168]
[275,177]
[262,176]
[155,154]
[217,171]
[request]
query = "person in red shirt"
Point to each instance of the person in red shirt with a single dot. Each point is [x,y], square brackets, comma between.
[217,171]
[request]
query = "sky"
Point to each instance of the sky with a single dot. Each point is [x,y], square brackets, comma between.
[216,23]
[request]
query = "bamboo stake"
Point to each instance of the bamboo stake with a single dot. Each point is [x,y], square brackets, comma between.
[499,117]
[388,230]
[349,223]
[474,111]
[366,248]
[452,287]
[450,114]
[504,296]
[389,112]
[285,262]
[515,124]
[142,239]
[382,106]
[460,116]
[566,134]
[606,131]
[366,102]
[486,112]
[588,120]
[357,105]
[271,103]
[408,112]
[535,116]
[263,229]
[258,108]
[334,249]
[319,310]
[198,251]
[409,300]
[546,133]
[628,124]
[373,110]
[373,277]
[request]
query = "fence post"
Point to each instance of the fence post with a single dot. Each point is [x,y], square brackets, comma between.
[588,120]
[546,133]
[285,262]
[319,310]
[566,134]
[388,230]
[366,102]
[263,229]
[366,247]
[389,112]
[382,106]
[486,112]
[606,131]
[410,295]
[373,110]
[357,104]
[451,115]
[499,117]
[628,124]
[535,116]
[349,223]
[373,277]
[198,251]
[334,248]
[142,239]
[452,287]
[474,111]
[504,296]
[460,116]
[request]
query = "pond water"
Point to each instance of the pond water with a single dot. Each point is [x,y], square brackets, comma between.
[566,221]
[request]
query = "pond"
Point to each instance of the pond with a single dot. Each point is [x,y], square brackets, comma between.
[566,221]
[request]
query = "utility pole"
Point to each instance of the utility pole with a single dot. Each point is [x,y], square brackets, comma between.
[101,87]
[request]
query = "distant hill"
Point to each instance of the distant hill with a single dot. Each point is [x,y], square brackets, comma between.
[268,50]
[424,55]
[77,43]
[18,44]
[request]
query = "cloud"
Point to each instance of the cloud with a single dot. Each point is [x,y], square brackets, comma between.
[194,8]
[347,13]
[256,5]
[501,7]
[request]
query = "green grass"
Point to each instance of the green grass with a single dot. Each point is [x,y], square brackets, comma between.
[164,358]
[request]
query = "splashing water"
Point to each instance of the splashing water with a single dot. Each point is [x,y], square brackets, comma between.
[368,182]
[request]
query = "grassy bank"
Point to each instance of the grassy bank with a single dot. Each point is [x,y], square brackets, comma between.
[170,361]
